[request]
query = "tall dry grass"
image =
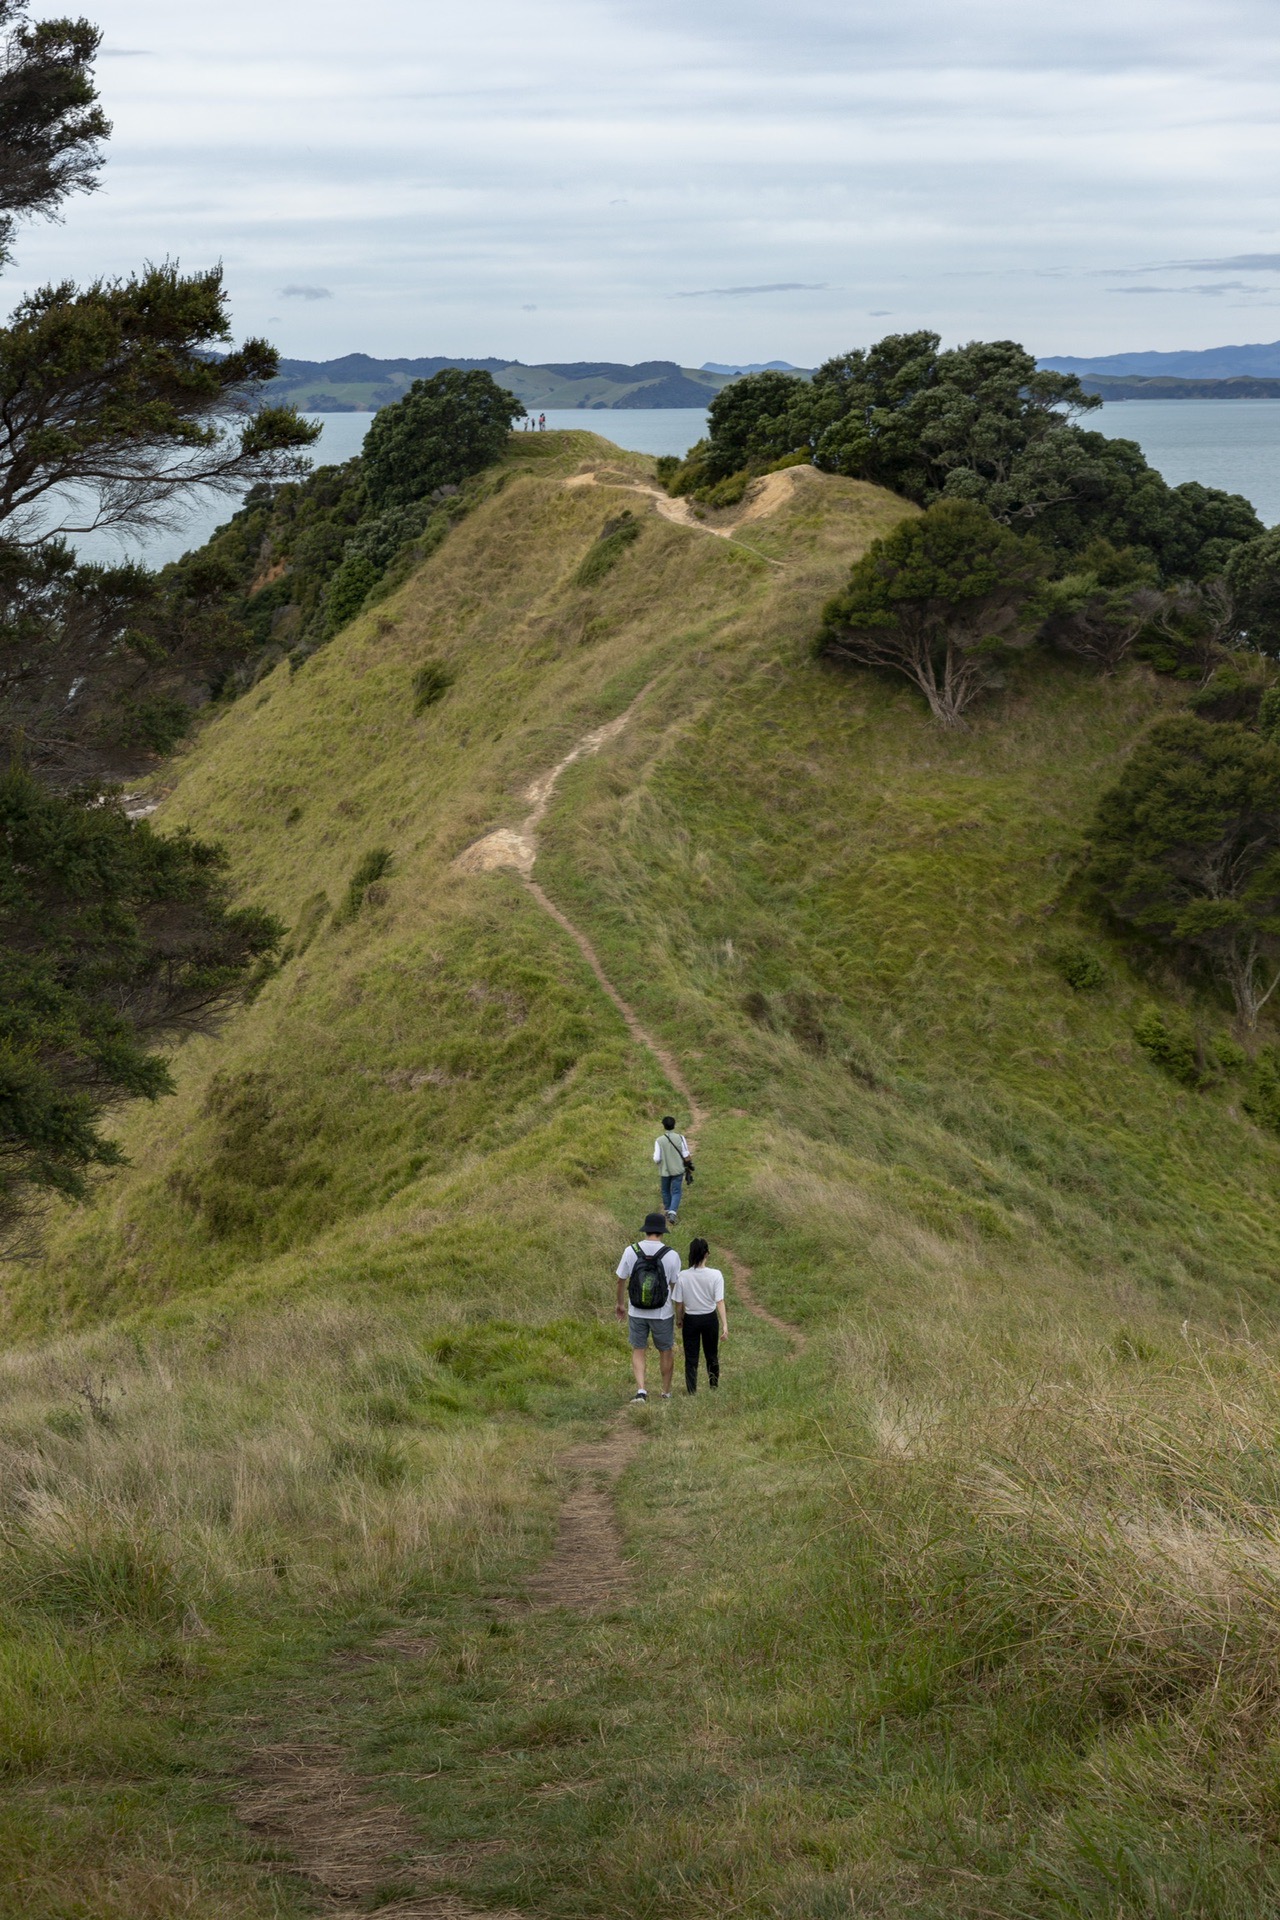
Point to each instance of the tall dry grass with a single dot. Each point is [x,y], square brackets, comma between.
[319,1450]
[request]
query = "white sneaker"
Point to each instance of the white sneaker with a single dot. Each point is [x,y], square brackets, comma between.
[641,1395]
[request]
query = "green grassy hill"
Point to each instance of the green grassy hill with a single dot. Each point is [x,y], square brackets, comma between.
[967,1608]
[358,383]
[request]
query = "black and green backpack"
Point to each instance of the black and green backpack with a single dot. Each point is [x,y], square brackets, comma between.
[647,1287]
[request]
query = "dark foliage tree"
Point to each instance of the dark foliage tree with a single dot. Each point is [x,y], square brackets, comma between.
[444,430]
[1253,575]
[112,940]
[51,126]
[1186,851]
[116,398]
[915,419]
[982,423]
[751,422]
[1193,631]
[940,599]
[1097,611]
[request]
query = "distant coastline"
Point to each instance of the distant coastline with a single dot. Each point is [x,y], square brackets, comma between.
[357,383]
[1165,387]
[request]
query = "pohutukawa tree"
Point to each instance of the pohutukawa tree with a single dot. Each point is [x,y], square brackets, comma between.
[51,125]
[443,430]
[115,399]
[113,940]
[1186,850]
[942,599]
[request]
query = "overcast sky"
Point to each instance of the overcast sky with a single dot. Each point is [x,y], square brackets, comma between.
[694,179]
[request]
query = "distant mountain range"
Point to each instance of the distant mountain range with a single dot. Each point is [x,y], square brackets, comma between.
[752,366]
[357,383]
[1201,363]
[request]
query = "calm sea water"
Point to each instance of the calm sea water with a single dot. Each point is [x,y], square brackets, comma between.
[1224,443]
[1234,444]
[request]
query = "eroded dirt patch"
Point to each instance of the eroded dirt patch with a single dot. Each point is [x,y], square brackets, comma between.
[587,1570]
[353,1848]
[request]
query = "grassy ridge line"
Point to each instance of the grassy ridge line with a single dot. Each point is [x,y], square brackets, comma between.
[969,1612]
[442,1024]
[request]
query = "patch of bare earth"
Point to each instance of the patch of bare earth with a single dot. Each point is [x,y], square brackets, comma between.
[587,1571]
[742,1288]
[351,1847]
[401,1643]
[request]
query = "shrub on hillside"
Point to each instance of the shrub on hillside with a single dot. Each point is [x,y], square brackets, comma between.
[1097,610]
[941,600]
[1080,967]
[348,591]
[1235,689]
[1253,577]
[368,871]
[1186,852]
[615,537]
[1170,1040]
[430,684]
[1261,1099]
[444,430]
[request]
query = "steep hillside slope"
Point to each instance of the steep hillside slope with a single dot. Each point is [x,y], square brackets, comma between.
[967,1605]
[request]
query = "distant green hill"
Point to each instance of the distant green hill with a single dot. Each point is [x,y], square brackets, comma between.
[356,383]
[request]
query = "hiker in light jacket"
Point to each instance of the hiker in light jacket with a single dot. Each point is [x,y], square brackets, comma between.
[671,1151]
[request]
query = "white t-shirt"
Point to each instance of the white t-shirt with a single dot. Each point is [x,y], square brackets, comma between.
[700,1289]
[670,1266]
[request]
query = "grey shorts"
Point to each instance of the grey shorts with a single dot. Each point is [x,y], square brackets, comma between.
[663,1331]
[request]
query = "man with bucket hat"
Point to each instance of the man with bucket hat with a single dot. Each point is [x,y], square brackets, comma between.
[647,1272]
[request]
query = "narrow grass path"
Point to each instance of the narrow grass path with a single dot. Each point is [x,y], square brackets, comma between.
[507,847]
[342,1838]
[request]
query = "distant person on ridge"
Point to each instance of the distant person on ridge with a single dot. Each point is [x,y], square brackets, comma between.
[700,1315]
[542,423]
[647,1272]
[672,1158]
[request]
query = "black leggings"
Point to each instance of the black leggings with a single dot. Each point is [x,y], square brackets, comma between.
[701,1329]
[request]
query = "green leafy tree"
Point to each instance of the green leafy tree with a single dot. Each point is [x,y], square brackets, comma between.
[1186,850]
[941,599]
[115,399]
[1253,575]
[1097,611]
[915,419]
[753,422]
[444,430]
[981,423]
[113,939]
[51,125]
[118,398]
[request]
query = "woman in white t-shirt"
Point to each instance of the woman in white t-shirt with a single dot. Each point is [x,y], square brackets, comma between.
[700,1315]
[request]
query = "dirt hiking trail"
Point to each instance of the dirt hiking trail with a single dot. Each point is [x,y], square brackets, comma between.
[350,1846]
[762,498]
[518,849]
[587,1570]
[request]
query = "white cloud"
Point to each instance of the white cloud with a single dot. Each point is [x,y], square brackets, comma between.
[543,177]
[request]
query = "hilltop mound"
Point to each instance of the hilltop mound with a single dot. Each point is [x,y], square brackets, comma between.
[967,1606]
